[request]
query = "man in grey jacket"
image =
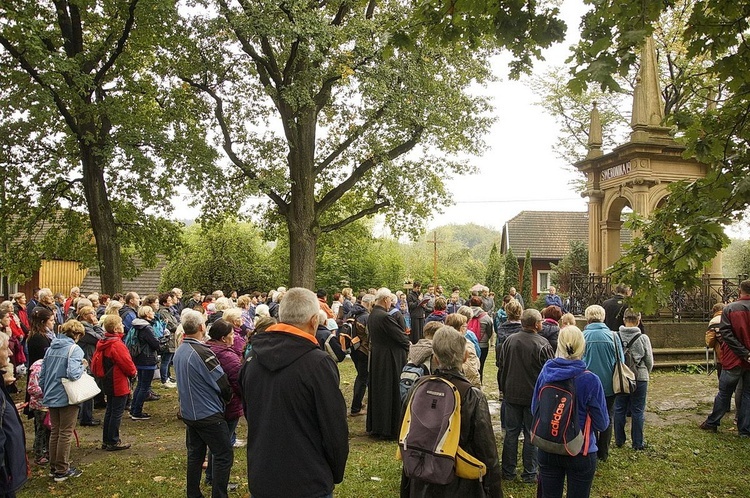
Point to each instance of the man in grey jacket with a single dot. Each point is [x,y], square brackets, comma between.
[203,390]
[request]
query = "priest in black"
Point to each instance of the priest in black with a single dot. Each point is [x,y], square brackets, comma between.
[389,347]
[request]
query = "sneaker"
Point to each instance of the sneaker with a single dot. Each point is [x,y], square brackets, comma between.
[72,472]
[239,443]
[142,416]
[117,447]
[42,460]
[710,428]
[168,385]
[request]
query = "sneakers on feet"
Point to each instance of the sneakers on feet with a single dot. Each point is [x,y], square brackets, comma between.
[168,385]
[142,416]
[72,472]
[119,446]
[240,443]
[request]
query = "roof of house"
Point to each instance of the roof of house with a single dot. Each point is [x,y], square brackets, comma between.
[147,282]
[547,234]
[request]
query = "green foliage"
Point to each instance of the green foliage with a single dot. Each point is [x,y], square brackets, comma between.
[512,272]
[527,285]
[494,278]
[736,258]
[686,232]
[576,260]
[228,256]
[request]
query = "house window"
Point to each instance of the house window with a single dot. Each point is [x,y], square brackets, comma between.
[543,281]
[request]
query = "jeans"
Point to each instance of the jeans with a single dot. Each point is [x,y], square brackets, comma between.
[112,419]
[141,391]
[360,383]
[232,425]
[86,413]
[63,424]
[727,385]
[200,436]
[166,360]
[605,437]
[553,469]
[637,401]
[518,418]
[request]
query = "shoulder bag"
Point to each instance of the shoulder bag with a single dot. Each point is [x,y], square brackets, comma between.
[623,378]
[82,389]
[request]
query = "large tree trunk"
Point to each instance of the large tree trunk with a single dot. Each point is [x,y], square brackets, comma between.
[301,216]
[102,221]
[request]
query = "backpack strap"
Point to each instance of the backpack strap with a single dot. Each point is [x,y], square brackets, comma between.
[637,336]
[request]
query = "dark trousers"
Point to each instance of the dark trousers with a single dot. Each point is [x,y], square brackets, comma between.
[113,418]
[86,412]
[142,390]
[727,385]
[166,360]
[605,437]
[518,418]
[199,437]
[360,382]
[417,326]
[553,469]
[636,401]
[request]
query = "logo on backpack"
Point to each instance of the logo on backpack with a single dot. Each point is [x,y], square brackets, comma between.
[430,432]
[555,427]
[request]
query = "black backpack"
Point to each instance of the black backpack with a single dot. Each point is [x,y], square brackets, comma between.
[555,427]
[629,360]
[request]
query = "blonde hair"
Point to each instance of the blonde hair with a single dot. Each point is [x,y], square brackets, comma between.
[456,321]
[594,313]
[514,309]
[144,310]
[72,329]
[570,343]
[111,323]
[567,319]
[232,315]
[113,308]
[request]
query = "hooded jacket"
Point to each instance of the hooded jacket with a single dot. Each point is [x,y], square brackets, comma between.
[149,344]
[294,408]
[506,330]
[93,334]
[589,393]
[230,362]
[600,353]
[550,331]
[640,350]
[56,366]
[486,328]
[112,364]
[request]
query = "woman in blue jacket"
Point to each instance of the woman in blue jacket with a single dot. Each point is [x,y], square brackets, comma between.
[579,469]
[63,359]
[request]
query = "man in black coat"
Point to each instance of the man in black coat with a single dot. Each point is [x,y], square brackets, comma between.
[416,312]
[389,347]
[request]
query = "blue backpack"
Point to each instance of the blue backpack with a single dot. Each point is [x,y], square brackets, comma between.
[555,427]
[410,374]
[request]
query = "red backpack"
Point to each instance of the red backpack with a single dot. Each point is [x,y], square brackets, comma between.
[475,326]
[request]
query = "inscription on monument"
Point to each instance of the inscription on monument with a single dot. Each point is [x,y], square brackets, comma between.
[616,171]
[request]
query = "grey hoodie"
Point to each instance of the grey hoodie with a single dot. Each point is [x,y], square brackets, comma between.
[640,349]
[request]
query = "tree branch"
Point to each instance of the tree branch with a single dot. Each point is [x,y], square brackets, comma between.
[228,143]
[350,139]
[337,192]
[32,71]
[120,43]
[365,212]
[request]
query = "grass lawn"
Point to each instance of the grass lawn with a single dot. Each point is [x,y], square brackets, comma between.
[680,461]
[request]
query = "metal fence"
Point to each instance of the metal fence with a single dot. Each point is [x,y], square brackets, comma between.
[686,304]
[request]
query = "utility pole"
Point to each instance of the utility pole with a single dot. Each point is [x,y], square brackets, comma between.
[434,243]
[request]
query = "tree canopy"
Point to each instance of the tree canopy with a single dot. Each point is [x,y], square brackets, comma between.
[687,231]
[338,110]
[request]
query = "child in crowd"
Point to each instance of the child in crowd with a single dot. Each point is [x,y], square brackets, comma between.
[40,412]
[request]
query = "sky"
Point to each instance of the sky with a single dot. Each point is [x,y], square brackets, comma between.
[519,171]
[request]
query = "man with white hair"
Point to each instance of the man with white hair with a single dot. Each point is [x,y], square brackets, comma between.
[602,352]
[203,390]
[389,347]
[296,414]
[75,292]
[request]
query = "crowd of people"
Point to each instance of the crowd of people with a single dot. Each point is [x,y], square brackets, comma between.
[272,358]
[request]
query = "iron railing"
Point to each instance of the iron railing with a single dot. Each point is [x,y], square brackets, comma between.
[684,304]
